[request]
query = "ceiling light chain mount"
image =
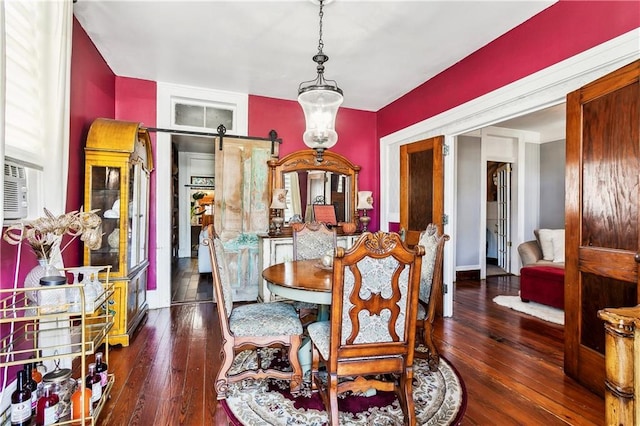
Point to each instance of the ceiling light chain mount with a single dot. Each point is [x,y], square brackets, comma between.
[320,99]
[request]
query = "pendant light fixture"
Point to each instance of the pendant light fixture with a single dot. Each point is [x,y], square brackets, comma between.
[320,99]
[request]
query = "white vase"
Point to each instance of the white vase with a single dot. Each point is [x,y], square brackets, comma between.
[32,280]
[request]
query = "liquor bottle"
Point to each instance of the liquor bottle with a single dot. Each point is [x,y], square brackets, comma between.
[37,376]
[39,366]
[32,385]
[78,401]
[21,402]
[93,382]
[101,368]
[35,373]
[47,412]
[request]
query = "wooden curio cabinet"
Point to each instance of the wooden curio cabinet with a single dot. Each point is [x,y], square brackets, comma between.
[117,169]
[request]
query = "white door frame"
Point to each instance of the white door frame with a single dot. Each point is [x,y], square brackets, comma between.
[166,94]
[504,146]
[543,89]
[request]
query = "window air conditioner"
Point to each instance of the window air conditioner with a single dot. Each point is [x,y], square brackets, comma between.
[15,191]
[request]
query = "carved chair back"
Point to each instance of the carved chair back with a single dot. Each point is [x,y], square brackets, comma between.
[221,283]
[431,271]
[373,321]
[375,288]
[371,335]
[431,289]
[313,240]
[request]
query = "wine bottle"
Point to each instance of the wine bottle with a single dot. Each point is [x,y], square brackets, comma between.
[47,412]
[32,385]
[101,368]
[21,402]
[93,382]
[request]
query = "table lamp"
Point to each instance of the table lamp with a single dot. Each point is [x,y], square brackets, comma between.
[278,203]
[365,202]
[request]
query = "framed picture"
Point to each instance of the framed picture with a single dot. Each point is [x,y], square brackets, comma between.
[325,213]
[203,181]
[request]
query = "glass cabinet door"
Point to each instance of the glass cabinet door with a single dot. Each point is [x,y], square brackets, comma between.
[132,224]
[105,196]
[144,215]
[138,216]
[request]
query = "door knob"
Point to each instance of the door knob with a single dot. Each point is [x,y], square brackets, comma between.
[637,257]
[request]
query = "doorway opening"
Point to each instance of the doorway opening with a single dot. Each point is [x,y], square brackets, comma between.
[498,219]
[193,195]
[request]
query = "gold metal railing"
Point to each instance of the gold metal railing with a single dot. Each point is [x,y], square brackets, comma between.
[22,325]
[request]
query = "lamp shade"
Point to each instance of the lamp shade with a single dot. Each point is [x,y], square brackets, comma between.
[365,200]
[279,199]
[320,105]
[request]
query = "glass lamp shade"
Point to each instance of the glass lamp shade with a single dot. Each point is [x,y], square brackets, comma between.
[365,200]
[279,199]
[320,105]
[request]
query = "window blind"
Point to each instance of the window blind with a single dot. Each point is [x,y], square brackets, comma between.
[24,103]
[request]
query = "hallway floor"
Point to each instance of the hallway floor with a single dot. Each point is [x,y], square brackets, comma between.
[188,285]
[495,270]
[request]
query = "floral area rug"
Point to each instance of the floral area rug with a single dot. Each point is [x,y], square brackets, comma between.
[544,312]
[440,399]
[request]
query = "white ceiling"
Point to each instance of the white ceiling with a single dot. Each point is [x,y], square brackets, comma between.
[549,122]
[379,50]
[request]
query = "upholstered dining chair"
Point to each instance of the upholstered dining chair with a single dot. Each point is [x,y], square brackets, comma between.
[253,326]
[431,291]
[369,341]
[313,240]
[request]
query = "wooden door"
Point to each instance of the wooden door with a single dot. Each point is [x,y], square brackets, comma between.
[242,208]
[421,187]
[602,241]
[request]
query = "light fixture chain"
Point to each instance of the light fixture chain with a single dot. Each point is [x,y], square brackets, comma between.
[320,100]
[321,14]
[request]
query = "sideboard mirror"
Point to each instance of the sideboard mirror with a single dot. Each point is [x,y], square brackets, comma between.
[334,181]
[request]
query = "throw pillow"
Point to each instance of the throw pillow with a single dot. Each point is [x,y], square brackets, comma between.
[546,243]
[558,245]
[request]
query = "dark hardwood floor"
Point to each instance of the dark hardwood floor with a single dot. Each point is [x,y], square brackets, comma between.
[187,285]
[511,365]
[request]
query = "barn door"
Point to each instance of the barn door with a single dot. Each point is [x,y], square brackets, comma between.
[421,187]
[242,208]
[602,242]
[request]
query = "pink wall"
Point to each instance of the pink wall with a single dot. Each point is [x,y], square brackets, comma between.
[357,138]
[136,101]
[557,33]
[92,96]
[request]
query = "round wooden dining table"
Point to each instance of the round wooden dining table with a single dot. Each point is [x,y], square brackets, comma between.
[302,280]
